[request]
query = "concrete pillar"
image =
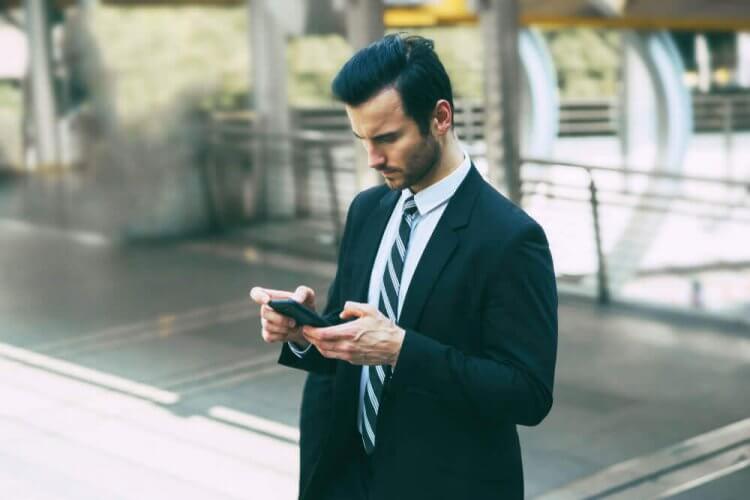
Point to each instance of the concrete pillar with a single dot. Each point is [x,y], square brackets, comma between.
[743,59]
[44,112]
[364,22]
[500,26]
[703,62]
[272,191]
[364,25]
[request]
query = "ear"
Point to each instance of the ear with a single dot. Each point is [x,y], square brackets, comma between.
[442,117]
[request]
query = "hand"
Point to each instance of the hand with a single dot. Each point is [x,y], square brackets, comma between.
[276,326]
[373,339]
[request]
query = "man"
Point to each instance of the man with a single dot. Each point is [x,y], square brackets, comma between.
[444,302]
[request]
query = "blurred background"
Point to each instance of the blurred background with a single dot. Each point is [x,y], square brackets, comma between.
[158,158]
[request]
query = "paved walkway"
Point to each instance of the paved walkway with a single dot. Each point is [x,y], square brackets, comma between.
[138,372]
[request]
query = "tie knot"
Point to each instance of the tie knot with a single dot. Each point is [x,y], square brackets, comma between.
[410,207]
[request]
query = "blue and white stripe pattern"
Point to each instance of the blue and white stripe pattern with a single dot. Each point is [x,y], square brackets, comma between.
[388,305]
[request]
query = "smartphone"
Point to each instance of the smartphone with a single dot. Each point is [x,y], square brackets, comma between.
[301,314]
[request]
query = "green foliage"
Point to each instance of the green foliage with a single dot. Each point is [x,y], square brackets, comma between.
[313,63]
[587,61]
[11,102]
[10,97]
[460,50]
[154,55]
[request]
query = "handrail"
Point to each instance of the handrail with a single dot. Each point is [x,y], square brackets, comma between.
[298,135]
[650,208]
[625,170]
[625,192]
[595,201]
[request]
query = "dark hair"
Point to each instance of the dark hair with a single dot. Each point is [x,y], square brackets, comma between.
[407,63]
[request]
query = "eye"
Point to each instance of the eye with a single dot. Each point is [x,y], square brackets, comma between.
[387,139]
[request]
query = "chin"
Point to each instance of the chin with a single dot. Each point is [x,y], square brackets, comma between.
[394,185]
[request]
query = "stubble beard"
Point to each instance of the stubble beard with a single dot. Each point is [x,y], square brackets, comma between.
[419,165]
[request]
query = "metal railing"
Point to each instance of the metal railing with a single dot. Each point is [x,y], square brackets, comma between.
[578,117]
[242,146]
[596,197]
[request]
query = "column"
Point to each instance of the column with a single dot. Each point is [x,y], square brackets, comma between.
[44,112]
[500,25]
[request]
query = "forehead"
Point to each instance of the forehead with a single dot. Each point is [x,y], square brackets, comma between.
[381,113]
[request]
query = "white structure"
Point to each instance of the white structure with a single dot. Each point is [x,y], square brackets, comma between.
[743,59]
[15,53]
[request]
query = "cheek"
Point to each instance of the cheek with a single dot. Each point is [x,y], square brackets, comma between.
[414,158]
[408,154]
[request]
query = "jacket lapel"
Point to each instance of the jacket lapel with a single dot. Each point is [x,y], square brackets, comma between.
[440,247]
[365,250]
[369,241]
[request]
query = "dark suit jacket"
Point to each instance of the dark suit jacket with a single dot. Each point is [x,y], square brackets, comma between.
[478,357]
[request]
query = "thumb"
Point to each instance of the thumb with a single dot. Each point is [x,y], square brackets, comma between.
[303,294]
[259,295]
[355,310]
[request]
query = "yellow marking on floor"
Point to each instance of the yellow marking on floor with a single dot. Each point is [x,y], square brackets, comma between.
[166,324]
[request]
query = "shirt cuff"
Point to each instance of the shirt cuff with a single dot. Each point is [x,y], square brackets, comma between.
[297,351]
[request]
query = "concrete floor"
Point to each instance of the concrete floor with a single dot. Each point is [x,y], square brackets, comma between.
[139,372]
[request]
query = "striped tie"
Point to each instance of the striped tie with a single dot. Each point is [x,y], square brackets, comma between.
[389,291]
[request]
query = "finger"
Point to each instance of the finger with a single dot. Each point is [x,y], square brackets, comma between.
[338,347]
[315,335]
[278,329]
[274,317]
[356,310]
[259,295]
[347,331]
[303,294]
[270,294]
[270,337]
[310,333]
[332,354]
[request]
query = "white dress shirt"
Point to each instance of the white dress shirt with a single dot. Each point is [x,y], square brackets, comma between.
[431,203]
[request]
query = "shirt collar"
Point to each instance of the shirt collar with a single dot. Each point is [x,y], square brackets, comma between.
[433,196]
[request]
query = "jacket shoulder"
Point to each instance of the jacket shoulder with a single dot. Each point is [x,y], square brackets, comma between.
[500,218]
[365,201]
[370,196]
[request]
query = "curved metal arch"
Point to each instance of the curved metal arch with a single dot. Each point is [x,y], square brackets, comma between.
[654,80]
[540,103]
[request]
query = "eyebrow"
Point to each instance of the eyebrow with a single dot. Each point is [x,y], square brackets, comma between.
[379,136]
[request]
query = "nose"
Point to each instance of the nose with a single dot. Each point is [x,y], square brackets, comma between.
[375,157]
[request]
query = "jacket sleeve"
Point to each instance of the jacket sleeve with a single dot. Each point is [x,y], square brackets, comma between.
[312,360]
[512,377]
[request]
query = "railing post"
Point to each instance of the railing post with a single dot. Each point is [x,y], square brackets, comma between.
[333,197]
[602,283]
[301,152]
[206,168]
[254,192]
[728,135]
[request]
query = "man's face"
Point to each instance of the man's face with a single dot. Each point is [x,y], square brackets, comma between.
[394,144]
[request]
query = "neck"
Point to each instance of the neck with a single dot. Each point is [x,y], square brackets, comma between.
[450,159]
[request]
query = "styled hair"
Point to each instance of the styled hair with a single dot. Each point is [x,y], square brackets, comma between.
[408,64]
